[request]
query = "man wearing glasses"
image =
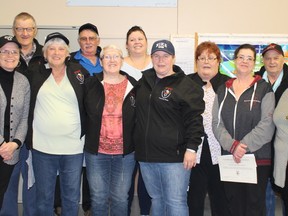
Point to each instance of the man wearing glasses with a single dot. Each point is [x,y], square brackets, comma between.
[24,29]
[88,55]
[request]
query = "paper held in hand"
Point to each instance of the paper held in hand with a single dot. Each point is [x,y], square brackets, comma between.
[243,172]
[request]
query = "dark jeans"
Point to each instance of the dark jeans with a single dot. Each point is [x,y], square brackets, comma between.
[86,201]
[5,174]
[143,196]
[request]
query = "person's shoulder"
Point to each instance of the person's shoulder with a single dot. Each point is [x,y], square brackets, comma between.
[222,77]
[189,85]
[39,48]
[72,55]
[78,70]
[196,78]
[96,79]
[130,78]
[21,78]
[285,71]
[193,75]
[75,65]
[38,45]
[263,84]
[261,71]
[20,75]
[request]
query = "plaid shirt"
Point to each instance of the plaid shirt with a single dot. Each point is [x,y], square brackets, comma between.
[29,56]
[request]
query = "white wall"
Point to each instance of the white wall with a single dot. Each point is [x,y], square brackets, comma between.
[210,16]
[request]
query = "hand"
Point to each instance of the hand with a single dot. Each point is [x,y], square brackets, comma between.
[7,149]
[189,159]
[239,152]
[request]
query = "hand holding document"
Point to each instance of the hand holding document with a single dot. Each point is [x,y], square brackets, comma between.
[243,172]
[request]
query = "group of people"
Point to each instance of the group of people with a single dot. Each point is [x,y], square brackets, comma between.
[113,119]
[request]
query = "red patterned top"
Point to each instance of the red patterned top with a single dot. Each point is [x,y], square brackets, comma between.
[111,134]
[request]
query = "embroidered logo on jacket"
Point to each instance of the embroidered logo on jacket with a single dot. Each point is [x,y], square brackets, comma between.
[165,94]
[132,100]
[79,76]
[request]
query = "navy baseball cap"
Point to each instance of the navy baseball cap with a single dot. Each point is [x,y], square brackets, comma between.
[163,45]
[88,26]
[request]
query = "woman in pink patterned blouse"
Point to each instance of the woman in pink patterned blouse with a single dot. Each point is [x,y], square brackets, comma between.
[109,149]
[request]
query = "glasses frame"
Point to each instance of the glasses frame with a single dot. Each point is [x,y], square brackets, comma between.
[110,57]
[10,52]
[86,39]
[28,29]
[204,59]
[245,58]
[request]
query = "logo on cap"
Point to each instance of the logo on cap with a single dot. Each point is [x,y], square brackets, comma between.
[274,47]
[161,45]
[9,37]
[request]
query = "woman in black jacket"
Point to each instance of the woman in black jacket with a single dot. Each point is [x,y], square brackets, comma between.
[109,149]
[168,130]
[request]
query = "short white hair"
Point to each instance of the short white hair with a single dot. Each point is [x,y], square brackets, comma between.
[55,41]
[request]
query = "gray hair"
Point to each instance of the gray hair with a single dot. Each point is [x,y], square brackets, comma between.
[55,41]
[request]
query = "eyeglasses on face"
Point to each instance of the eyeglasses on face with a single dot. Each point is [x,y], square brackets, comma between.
[85,39]
[9,52]
[245,58]
[110,57]
[204,59]
[20,29]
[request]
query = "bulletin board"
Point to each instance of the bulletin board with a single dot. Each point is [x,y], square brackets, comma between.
[229,42]
[185,46]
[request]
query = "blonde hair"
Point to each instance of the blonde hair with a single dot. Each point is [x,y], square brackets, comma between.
[111,47]
[24,16]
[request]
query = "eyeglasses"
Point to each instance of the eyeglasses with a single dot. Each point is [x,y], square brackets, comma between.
[29,29]
[85,39]
[245,58]
[204,59]
[9,52]
[114,57]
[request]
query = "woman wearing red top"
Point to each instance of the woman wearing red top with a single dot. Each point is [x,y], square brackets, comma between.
[109,150]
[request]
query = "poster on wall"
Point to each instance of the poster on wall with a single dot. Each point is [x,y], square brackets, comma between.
[184,51]
[227,44]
